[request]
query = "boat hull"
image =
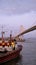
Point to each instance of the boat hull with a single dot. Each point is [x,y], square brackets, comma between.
[10,55]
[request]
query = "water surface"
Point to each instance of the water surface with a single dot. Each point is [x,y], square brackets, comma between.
[27,55]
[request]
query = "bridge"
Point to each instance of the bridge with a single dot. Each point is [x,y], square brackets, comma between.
[26,31]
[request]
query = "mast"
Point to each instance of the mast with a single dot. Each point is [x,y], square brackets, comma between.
[2,34]
[10,40]
[10,35]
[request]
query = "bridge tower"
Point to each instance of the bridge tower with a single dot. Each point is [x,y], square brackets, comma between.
[21,30]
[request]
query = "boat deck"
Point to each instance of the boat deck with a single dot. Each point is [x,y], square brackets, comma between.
[9,52]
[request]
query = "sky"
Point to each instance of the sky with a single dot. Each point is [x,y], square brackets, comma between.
[14,13]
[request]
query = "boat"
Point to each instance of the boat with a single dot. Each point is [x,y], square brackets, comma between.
[9,50]
[4,57]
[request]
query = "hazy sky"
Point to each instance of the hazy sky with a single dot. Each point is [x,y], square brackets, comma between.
[18,12]
[10,7]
